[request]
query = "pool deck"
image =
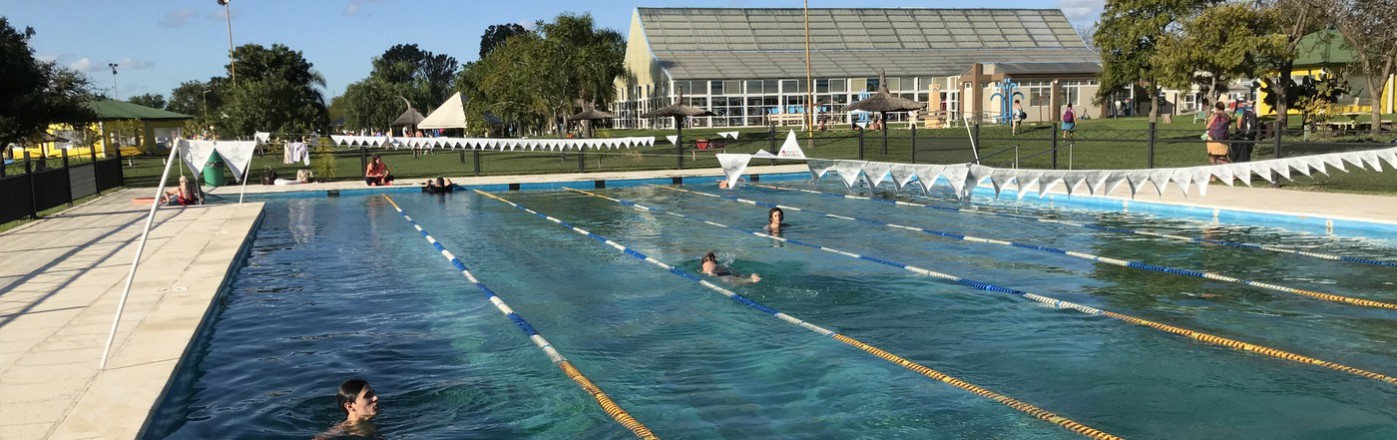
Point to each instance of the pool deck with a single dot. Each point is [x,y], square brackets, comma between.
[61,277]
[60,281]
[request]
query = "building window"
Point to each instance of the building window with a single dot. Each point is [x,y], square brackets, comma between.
[717,87]
[754,87]
[839,85]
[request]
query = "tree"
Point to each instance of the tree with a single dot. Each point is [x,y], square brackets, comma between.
[495,35]
[1222,43]
[199,99]
[1293,20]
[152,100]
[421,77]
[1370,27]
[36,94]
[370,104]
[1128,36]
[277,90]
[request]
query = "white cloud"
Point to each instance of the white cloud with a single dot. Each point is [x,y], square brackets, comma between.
[1081,10]
[83,64]
[47,58]
[135,64]
[177,18]
[357,6]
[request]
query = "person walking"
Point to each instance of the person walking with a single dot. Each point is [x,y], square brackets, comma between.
[1216,136]
[1018,117]
[1069,124]
[1245,137]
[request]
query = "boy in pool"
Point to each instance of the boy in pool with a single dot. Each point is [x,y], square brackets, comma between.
[359,403]
[709,266]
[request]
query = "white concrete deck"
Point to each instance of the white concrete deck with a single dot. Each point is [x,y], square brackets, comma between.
[60,281]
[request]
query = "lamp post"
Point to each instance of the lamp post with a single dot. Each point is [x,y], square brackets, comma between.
[206,106]
[115,95]
[228,13]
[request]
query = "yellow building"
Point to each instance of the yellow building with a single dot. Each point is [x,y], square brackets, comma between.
[1326,51]
[121,126]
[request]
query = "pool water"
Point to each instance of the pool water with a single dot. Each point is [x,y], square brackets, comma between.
[338,288]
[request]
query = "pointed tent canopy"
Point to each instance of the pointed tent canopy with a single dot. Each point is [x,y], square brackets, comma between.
[451,114]
[884,101]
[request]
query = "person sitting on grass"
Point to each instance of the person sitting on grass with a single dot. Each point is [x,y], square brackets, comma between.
[709,266]
[377,173]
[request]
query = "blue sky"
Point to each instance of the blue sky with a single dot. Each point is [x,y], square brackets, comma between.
[161,43]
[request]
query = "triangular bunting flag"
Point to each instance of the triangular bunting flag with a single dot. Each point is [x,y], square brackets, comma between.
[733,166]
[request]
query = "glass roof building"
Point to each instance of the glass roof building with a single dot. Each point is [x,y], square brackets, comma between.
[748,66]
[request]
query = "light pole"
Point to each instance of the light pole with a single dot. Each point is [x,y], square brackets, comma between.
[115,95]
[228,13]
[206,106]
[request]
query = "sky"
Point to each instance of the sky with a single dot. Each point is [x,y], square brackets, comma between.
[158,44]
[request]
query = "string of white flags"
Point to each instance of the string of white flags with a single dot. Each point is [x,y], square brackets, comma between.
[237,154]
[964,178]
[493,143]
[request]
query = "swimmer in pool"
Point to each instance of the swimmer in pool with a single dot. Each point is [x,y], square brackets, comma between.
[774,222]
[360,405]
[709,266]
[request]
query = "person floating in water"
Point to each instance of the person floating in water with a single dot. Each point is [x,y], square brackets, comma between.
[360,405]
[709,266]
[440,185]
[774,222]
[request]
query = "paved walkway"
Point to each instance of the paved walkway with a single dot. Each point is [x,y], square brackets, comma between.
[60,281]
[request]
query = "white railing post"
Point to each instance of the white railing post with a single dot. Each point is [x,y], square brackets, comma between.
[131,276]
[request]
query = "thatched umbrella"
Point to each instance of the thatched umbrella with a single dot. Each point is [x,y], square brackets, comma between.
[884,102]
[410,117]
[678,111]
[590,114]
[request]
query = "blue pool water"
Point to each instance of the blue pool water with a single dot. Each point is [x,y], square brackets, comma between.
[336,288]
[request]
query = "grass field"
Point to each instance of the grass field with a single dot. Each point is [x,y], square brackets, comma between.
[1121,143]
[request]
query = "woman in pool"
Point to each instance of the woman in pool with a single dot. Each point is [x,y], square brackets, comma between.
[774,222]
[709,266]
[359,403]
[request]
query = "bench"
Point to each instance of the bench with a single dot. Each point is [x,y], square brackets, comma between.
[781,119]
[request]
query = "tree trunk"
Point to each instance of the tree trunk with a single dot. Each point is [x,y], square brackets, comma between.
[1375,83]
[1282,95]
[1154,101]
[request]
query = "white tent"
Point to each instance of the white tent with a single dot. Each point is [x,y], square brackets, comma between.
[451,114]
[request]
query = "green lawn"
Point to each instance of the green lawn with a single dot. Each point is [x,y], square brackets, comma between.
[1120,143]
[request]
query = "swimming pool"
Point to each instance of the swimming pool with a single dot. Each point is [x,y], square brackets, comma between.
[343,287]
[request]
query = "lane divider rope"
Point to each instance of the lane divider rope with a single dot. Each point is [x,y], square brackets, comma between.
[612,409]
[1199,240]
[1046,300]
[1021,406]
[1082,255]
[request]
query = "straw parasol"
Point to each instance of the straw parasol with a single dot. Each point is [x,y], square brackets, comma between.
[409,117]
[591,114]
[678,111]
[883,103]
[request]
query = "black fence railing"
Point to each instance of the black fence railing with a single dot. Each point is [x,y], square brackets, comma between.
[30,185]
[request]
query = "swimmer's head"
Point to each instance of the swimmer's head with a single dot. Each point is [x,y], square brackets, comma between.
[776,215]
[357,399]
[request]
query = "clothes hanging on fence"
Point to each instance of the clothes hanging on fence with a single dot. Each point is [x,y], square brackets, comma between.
[296,152]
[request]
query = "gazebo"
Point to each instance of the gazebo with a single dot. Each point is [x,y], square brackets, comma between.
[678,111]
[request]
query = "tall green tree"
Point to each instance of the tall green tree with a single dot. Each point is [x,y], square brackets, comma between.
[277,90]
[1292,20]
[34,94]
[1128,36]
[1370,28]
[1220,44]
[199,99]
[403,71]
[152,100]
[496,34]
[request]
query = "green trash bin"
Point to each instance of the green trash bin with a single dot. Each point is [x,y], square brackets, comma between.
[213,171]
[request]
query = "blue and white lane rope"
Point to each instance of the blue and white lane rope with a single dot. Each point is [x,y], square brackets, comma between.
[1082,255]
[612,409]
[1045,300]
[913,366]
[1199,240]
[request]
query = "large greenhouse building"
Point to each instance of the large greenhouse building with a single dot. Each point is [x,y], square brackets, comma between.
[748,66]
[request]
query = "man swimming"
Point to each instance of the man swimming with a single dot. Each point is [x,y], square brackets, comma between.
[709,266]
